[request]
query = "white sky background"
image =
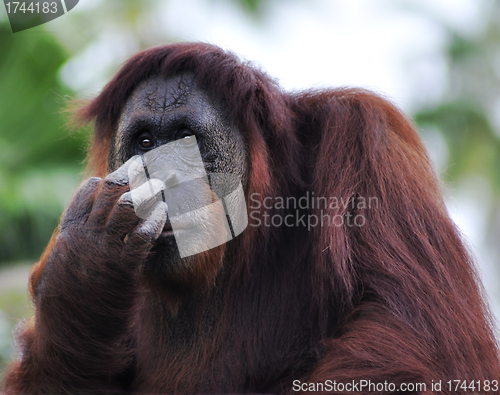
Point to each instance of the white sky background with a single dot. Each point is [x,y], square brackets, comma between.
[394,47]
[384,45]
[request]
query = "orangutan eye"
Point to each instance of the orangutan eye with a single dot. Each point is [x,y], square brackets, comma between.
[146,142]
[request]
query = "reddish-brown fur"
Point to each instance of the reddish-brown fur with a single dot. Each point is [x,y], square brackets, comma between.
[394,300]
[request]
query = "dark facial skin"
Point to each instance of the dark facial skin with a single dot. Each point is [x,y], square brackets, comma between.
[161,111]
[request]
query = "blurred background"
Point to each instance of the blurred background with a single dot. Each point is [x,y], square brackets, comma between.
[438,60]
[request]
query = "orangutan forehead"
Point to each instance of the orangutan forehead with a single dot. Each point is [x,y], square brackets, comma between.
[157,93]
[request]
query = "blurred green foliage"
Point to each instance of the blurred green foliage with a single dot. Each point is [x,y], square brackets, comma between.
[39,160]
[251,5]
[14,305]
[466,117]
[474,148]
